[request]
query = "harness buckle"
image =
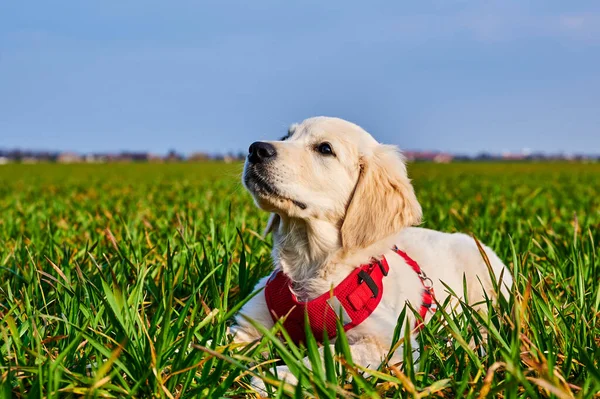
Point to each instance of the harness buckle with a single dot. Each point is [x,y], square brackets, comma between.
[339,309]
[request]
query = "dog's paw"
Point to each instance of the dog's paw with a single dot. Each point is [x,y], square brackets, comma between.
[283,374]
[259,387]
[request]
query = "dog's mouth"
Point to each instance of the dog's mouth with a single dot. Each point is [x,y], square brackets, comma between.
[262,187]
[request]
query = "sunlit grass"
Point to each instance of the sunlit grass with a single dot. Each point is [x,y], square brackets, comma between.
[120,280]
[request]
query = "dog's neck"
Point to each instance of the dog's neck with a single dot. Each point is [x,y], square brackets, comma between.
[303,250]
[311,254]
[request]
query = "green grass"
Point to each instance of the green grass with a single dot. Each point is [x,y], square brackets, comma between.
[120,280]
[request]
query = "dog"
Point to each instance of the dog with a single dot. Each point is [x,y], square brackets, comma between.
[341,203]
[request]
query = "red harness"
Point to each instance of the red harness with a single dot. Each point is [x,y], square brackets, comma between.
[354,299]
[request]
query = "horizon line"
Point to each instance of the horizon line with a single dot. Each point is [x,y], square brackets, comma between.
[523,152]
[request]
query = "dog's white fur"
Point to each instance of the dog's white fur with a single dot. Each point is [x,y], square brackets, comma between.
[332,213]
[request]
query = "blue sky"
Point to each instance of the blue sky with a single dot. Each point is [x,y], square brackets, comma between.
[461,76]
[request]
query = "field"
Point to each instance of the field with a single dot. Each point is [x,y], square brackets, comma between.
[120,281]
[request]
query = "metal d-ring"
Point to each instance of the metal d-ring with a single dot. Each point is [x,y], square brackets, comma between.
[427,282]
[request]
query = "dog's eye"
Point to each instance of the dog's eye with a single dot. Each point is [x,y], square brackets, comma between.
[325,149]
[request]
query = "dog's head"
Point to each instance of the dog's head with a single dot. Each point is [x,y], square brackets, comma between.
[332,170]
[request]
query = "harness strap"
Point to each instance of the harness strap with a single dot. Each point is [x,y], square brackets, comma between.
[428,300]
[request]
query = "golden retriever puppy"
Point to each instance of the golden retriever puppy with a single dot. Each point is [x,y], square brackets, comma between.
[342,209]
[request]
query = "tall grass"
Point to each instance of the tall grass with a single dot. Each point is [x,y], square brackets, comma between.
[121,280]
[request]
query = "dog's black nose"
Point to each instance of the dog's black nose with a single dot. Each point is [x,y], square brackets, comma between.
[260,151]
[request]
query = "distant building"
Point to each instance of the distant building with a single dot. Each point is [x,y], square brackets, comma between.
[4,160]
[95,158]
[155,158]
[135,156]
[484,156]
[198,157]
[443,158]
[429,156]
[69,157]
[173,156]
[29,160]
[508,156]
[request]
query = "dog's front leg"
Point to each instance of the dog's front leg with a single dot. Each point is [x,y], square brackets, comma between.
[366,352]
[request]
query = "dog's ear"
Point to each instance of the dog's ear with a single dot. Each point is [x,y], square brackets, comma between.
[272,224]
[383,201]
